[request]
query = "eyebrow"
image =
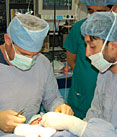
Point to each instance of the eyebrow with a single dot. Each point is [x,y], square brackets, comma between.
[96,10]
[93,38]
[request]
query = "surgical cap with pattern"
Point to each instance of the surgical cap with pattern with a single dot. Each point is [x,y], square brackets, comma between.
[28,32]
[99,25]
[99,2]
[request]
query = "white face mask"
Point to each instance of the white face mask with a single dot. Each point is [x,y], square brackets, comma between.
[22,62]
[88,15]
[98,61]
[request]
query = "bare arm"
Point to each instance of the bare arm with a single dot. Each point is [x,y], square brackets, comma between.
[71,59]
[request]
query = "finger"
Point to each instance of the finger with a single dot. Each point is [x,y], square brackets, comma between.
[12,112]
[9,129]
[63,110]
[72,113]
[16,123]
[69,110]
[58,110]
[19,119]
[20,116]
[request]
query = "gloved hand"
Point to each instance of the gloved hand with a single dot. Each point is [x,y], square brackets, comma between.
[62,121]
[9,120]
[64,109]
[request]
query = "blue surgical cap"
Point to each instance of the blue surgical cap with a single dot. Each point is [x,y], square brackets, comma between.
[99,2]
[28,32]
[99,25]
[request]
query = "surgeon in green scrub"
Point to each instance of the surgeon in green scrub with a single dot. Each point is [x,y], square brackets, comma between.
[84,74]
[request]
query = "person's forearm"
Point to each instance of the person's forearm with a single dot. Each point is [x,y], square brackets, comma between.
[72,65]
[71,59]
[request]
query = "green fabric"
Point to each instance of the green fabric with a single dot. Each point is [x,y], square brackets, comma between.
[84,74]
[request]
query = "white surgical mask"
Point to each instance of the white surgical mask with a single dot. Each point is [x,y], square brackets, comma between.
[22,62]
[97,60]
[88,15]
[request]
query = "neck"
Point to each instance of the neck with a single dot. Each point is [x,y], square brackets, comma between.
[114,69]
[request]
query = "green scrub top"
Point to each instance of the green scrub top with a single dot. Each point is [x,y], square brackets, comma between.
[84,74]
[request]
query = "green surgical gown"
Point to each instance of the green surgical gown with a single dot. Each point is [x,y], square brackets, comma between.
[84,74]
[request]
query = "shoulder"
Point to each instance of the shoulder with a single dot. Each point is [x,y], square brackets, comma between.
[42,65]
[79,23]
[42,60]
[76,28]
[104,77]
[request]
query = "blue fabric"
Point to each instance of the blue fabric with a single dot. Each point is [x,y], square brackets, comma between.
[99,25]
[2,60]
[99,2]
[24,38]
[64,133]
[99,128]
[27,90]
[104,104]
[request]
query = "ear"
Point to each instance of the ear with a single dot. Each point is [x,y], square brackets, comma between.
[7,39]
[114,46]
[114,8]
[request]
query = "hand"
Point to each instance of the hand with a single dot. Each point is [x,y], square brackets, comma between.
[56,120]
[9,120]
[62,121]
[64,109]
